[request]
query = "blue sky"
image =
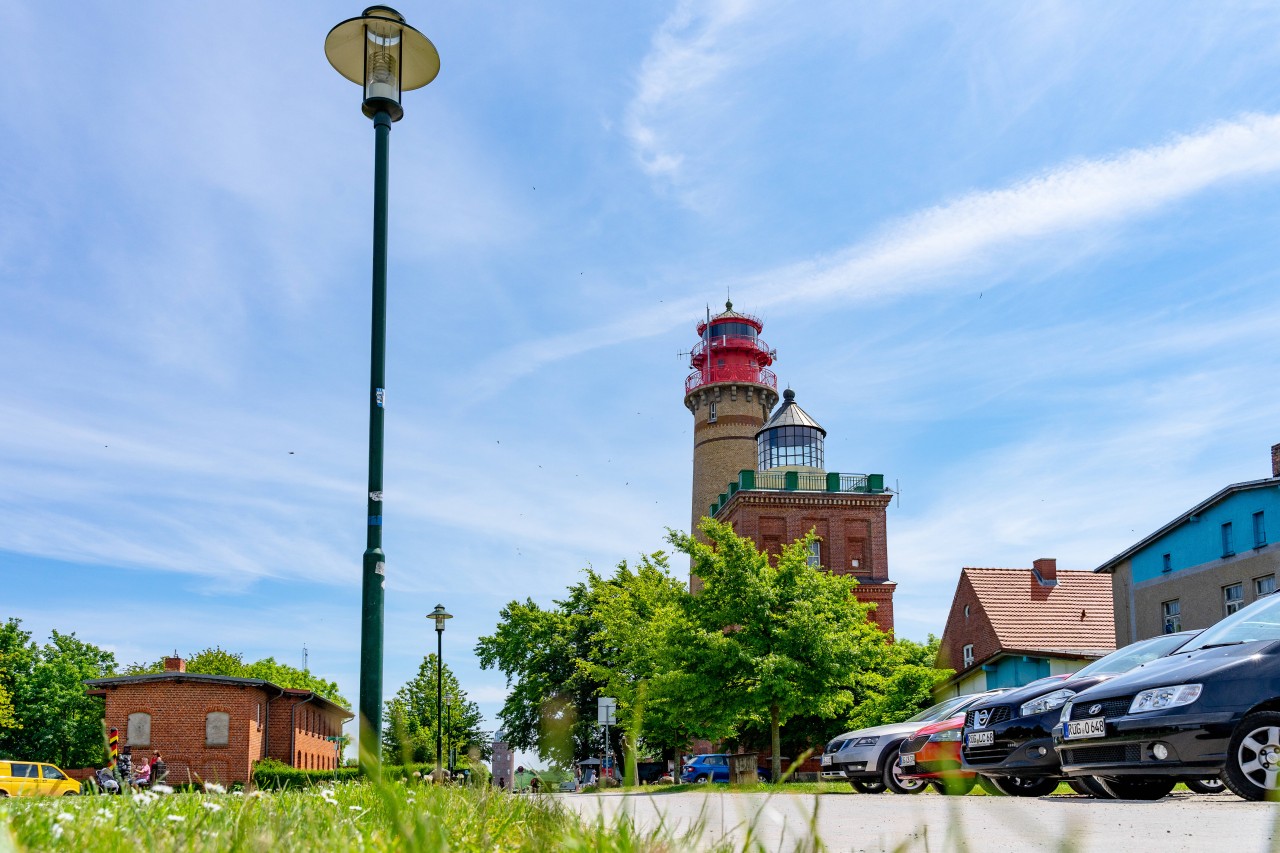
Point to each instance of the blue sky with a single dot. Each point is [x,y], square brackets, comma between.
[1019,258]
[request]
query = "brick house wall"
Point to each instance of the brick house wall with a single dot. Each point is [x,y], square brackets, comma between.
[179,711]
[852,528]
[961,630]
[262,720]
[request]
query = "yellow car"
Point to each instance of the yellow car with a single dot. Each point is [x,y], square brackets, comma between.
[31,778]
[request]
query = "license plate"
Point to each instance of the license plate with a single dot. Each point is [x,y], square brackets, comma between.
[1092,727]
[826,760]
[982,738]
[907,760]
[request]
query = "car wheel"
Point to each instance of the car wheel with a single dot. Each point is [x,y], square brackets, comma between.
[1026,786]
[71,794]
[868,786]
[1094,787]
[1253,757]
[3,794]
[702,778]
[1077,784]
[1206,786]
[893,778]
[954,786]
[990,786]
[1139,787]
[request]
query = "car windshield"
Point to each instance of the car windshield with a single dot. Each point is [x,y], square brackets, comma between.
[1258,621]
[937,712]
[1134,654]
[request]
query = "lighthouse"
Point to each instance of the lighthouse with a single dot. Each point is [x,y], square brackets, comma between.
[730,394]
[766,475]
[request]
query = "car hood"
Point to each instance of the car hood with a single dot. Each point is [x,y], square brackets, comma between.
[890,730]
[1034,691]
[1184,667]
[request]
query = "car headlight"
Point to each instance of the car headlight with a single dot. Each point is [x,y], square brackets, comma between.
[1160,698]
[865,741]
[1047,702]
[944,737]
[1066,713]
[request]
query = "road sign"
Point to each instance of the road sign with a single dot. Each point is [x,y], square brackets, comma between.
[607,711]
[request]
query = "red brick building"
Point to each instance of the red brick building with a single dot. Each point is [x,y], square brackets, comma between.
[1008,627]
[214,727]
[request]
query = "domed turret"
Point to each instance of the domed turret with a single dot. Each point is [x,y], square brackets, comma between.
[791,439]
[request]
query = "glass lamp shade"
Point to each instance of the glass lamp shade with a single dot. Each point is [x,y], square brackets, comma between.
[383,54]
[439,614]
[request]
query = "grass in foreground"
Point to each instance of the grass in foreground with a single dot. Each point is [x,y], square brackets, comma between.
[346,817]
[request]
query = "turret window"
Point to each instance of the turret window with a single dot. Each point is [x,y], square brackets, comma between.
[711,417]
[789,445]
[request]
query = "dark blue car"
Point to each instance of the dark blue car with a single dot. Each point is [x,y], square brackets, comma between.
[711,768]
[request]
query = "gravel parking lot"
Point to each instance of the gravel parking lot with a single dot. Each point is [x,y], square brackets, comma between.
[849,822]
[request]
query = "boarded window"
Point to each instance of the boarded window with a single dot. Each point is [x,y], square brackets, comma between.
[217,728]
[139,729]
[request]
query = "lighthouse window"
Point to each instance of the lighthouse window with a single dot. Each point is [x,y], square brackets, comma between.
[721,330]
[712,417]
[790,445]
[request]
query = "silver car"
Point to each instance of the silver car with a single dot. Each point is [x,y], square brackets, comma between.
[868,758]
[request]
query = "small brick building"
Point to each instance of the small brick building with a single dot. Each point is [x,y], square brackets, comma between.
[1009,627]
[214,727]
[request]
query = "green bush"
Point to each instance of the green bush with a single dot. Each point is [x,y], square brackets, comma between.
[272,775]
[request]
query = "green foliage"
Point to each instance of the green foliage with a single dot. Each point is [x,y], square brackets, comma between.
[410,730]
[218,661]
[900,687]
[52,719]
[778,640]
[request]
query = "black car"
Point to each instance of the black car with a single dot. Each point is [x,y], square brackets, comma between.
[1009,738]
[1211,708]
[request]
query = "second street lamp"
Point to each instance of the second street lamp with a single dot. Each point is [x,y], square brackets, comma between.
[385,56]
[440,615]
[448,704]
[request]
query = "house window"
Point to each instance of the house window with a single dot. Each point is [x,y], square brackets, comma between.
[139,729]
[1264,585]
[815,554]
[1168,563]
[1227,550]
[712,417]
[217,728]
[966,611]
[1232,598]
[1259,530]
[967,654]
[1172,612]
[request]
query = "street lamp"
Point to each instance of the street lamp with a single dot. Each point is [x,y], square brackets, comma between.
[448,704]
[386,56]
[440,616]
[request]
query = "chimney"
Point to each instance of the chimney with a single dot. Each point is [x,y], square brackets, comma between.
[1275,460]
[1046,569]
[175,664]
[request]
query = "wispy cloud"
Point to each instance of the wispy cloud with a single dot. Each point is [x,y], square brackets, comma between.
[1041,219]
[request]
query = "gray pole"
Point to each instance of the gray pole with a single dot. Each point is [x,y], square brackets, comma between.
[439,685]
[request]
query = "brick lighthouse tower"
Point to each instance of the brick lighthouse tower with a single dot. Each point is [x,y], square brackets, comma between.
[730,393]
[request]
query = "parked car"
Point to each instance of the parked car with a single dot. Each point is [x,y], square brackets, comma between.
[713,767]
[868,758]
[34,778]
[932,756]
[1009,738]
[1212,707]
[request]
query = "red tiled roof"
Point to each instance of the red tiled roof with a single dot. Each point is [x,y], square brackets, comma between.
[1075,615]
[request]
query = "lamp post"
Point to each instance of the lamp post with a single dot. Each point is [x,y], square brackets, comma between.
[386,56]
[440,616]
[448,704]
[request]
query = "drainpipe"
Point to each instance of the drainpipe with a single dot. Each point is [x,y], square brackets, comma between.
[293,726]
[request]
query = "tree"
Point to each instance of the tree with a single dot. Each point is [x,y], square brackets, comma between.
[633,614]
[219,661]
[410,728]
[53,718]
[900,687]
[776,641]
[551,701]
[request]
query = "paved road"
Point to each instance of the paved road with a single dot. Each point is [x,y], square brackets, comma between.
[1220,823]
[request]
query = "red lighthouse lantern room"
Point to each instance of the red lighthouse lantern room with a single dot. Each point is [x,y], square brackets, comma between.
[730,350]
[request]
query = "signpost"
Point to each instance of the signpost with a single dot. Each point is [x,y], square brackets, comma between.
[607,715]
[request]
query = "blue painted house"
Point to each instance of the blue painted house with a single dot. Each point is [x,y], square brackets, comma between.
[1209,561]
